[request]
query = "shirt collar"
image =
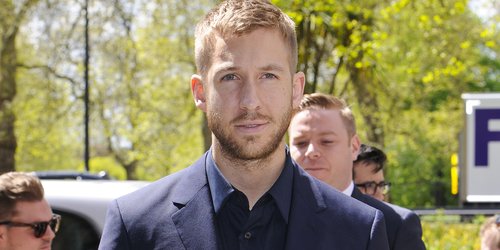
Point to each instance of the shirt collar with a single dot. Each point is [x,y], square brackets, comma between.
[220,188]
[281,191]
[348,191]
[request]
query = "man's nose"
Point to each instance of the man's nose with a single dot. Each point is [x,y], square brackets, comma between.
[49,234]
[312,152]
[249,96]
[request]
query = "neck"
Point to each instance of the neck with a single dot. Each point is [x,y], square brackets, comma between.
[252,177]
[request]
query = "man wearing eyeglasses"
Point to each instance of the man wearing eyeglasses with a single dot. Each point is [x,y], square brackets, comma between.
[26,219]
[368,172]
[324,142]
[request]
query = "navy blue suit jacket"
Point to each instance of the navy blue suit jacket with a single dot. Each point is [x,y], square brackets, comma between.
[404,230]
[177,212]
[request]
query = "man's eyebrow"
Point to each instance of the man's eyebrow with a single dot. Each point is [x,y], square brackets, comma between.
[226,67]
[328,133]
[273,67]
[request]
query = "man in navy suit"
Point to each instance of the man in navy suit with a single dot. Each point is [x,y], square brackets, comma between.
[368,176]
[324,142]
[245,192]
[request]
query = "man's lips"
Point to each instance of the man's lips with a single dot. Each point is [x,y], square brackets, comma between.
[313,169]
[47,246]
[251,124]
[250,119]
[251,127]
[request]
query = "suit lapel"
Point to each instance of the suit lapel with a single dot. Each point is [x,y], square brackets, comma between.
[304,221]
[195,220]
[356,194]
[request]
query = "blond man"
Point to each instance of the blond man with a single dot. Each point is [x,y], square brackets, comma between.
[245,192]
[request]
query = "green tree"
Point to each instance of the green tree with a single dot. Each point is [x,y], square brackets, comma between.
[402,66]
[48,103]
[142,86]
[12,15]
[142,113]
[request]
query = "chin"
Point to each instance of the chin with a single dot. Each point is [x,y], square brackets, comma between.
[318,173]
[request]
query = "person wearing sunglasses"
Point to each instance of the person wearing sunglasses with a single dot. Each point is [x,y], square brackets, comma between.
[323,140]
[26,219]
[368,172]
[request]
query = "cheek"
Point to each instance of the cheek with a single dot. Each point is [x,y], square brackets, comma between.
[295,154]
[217,104]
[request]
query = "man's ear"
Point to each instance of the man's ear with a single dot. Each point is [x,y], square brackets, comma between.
[355,146]
[198,92]
[2,235]
[299,80]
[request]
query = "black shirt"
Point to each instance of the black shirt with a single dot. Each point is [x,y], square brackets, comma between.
[263,227]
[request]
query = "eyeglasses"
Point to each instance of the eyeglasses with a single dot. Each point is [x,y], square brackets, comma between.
[39,228]
[371,187]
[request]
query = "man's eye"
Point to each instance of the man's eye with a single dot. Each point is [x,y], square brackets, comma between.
[229,77]
[300,144]
[269,76]
[327,142]
[371,184]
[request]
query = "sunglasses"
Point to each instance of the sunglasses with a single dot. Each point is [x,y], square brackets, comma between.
[39,228]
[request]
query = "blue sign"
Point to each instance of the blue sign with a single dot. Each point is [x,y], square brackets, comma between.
[484,135]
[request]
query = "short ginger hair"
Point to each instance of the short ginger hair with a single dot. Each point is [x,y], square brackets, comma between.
[233,18]
[324,101]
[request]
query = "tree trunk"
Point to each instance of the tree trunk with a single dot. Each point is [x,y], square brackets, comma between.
[8,61]
[131,170]
[9,27]
[363,81]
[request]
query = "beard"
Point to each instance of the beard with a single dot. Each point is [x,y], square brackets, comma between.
[250,149]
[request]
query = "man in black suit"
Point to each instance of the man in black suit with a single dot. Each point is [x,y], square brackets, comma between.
[245,192]
[324,142]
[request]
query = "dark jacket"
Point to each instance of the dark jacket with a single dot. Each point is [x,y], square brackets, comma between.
[176,212]
[403,225]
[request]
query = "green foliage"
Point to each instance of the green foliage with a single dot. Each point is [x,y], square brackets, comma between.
[402,65]
[429,55]
[107,164]
[449,233]
[45,121]
[142,114]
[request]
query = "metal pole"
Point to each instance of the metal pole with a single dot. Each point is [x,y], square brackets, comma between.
[86,96]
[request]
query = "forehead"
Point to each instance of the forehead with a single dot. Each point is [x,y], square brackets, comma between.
[260,46]
[318,121]
[365,166]
[364,172]
[32,211]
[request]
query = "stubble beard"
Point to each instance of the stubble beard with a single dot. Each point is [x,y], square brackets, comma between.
[241,151]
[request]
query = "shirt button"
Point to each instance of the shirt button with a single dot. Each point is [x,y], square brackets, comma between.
[248,235]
